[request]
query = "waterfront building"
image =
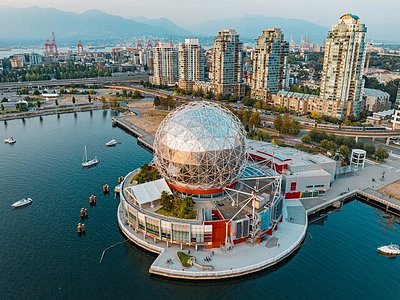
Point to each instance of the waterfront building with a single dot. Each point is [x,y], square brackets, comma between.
[200,151]
[191,62]
[304,175]
[376,100]
[396,114]
[343,68]
[269,64]
[227,64]
[165,65]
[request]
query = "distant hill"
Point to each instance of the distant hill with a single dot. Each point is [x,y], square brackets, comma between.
[251,26]
[36,23]
[166,24]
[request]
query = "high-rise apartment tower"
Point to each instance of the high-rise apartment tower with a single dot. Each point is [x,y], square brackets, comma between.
[269,64]
[342,76]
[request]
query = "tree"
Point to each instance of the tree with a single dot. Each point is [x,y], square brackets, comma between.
[381,154]
[62,91]
[370,149]
[2,107]
[92,91]
[89,98]
[278,122]
[56,102]
[306,139]
[38,103]
[156,101]
[73,100]
[36,93]
[254,119]
[344,151]
[137,95]
[24,91]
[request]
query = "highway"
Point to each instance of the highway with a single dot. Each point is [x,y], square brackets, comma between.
[65,82]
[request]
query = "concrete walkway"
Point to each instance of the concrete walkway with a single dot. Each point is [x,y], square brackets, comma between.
[359,180]
[240,260]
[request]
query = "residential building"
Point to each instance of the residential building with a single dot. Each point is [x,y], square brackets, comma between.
[165,65]
[376,100]
[343,68]
[227,64]
[17,61]
[191,61]
[396,115]
[269,64]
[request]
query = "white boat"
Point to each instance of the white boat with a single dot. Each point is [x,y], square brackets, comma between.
[22,202]
[10,140]
[111,143]
[91,162]
[396,143]
[391,249]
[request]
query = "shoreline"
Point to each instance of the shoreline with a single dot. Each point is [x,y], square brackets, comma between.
[52,111]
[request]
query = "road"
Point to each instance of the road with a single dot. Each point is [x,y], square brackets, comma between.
[63,82]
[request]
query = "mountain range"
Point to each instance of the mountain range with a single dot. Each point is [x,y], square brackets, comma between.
[34,25]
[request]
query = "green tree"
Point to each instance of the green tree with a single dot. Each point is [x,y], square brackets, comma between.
[24,91]
[2,107]
[278,123]
[92,91]
[90,98]
[370,149]
[137,95]
[254,119]
[38,103]
[73,100]
[306,139]
[381,154]
[36,92]
[344,151]
[56,102]
[156,101]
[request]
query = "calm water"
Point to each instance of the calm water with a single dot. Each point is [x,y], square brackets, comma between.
[41,256]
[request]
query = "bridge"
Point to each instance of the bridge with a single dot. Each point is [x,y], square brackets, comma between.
[380,134]
[66,82]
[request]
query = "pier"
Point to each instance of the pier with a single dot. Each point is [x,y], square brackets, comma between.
[371,196]
[144,138]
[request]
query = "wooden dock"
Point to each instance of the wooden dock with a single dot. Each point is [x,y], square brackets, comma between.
[144,138]
[371,196]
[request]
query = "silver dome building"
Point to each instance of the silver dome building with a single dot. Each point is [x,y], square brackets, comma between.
[200,148]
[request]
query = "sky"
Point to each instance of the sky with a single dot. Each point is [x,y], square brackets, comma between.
[185,12]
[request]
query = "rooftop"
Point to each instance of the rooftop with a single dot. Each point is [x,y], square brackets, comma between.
[288,155]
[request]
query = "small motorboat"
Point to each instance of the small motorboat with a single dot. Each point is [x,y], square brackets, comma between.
[91,162]
[391,249]
[10,140]
[111,143]
[22,202]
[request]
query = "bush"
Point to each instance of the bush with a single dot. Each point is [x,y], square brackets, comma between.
[146,174]
[177,207]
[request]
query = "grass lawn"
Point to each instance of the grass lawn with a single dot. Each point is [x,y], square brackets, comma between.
[184,259]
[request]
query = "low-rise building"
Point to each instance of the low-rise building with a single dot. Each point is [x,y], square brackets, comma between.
[304,175]
[376,100]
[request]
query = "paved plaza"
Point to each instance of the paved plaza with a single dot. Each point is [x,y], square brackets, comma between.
[241,259]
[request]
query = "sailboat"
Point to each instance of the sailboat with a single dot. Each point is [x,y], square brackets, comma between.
[89,163]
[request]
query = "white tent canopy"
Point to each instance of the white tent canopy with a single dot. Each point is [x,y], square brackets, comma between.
[148,191]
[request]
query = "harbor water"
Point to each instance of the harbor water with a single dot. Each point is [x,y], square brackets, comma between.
[42,257]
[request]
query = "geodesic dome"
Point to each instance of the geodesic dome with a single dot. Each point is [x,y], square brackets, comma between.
[200,146]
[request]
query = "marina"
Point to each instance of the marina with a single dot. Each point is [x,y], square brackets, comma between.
[325,253]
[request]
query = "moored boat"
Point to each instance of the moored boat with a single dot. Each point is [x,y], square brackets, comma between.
[391,249]
[89,163]
[113,142]
[22,202]
[10,140]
